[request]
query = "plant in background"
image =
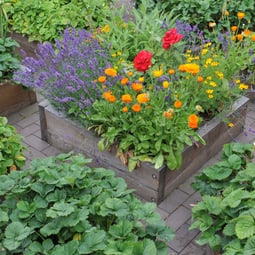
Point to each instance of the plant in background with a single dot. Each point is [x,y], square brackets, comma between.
[11,148]
[44,20]
[225,214]
[59,205]
[8,60]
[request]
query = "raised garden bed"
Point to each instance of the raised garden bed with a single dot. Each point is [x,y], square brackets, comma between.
[14,97]
[150,184]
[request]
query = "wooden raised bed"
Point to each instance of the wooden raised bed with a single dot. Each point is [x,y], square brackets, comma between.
[150,184]
[14,97]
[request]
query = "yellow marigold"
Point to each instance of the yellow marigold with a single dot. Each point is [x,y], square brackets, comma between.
[141,79]
[239,37]
[240,15]
[200,79]
[210,96]
[136,107]
[178,104]
[219,74]
[107,94]
[130,73]
[119,53]
[234,28]
[171,71]
[165,84]
[238,81]
[204,51]
[126,98]
[110,72]
[190,68]
[209,91]
[158,73]
[213,84]
[208,61]
[114,55]
[105,29]
[143,98]
[125,109]
[137,86]
[209,78]
[169,113]
[124,81]
[101,79]
[214,63]
[243,86]
[230,124]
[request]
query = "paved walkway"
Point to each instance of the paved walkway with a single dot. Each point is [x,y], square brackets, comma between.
[175,209]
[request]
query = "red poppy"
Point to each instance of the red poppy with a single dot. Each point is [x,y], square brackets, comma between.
[142,61]
[171,37]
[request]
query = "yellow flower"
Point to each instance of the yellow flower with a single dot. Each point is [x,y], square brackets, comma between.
[230,124]
[209,91]
[143,98]
[214,63]
[101,79]
[125,109]
[210,95]
[190,68]
[209,78]
[212,24]
[141,79]
[204,51]
[227,13]
[199,108]
[238,81]
[213,84]
[165,84]
[219,74]
[158,73]
[110,72]
[105,29]
[130,73]
[240,15]
[243,86]
[208,61]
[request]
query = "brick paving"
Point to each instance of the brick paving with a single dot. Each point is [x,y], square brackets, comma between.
[175,209]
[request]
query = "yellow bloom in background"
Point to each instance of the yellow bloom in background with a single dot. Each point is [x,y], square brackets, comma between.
[125,109]
[240,15]
[210,96]
[199,108]
[214,63]
[114,55]
[126,98]
[209,91]
[238,81]
[130,73]
[227,13]
[243,86]
[119,53]
[141,79]
[213,84]
[101,79]
[165,84]
[110,72]
[143,98]
[209,78]
[190,68]
[219,74]
[158,73]
[208,61]
[105,29]
[230,124]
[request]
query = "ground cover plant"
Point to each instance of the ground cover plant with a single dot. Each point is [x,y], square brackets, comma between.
[149,108]
[60,205]
[11,148]
[225,214]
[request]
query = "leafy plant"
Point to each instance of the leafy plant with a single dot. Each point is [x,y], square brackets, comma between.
[43,20]
[225,215]
[11,148]
[59,205]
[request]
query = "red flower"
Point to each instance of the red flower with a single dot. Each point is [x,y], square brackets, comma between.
[142,61]
[171,37]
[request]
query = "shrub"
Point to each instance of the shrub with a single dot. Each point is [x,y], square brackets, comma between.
[59,205]
[11,148]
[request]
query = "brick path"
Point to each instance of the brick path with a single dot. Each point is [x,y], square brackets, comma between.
[175,209]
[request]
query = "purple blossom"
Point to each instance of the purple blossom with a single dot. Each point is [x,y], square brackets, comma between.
[65,72]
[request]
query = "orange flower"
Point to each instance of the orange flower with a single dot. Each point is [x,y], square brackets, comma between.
[240,15]
[233,28]
[169,113]
[200,78]
[112,99]
[165,84]
[143,98]
[190,68]
[239,37]
[171,71]
[178,104]
[110,72]
[125,109]
[124,81]
[130,73]
[136,108]
[227,13]
[101,79]
[253,38]
[126,98]
[193,121]
[137,86]
[246,32]
[109,96]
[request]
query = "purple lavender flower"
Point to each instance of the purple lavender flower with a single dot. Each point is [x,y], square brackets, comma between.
[66,72]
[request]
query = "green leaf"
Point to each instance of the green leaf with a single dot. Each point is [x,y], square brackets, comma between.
[245,226]
[234,198]
[235,161]
[213,204]
[158,161]
[93,241]
[229,229]
[218,171]
[149,247]
[249,247]
[6,184]
[121,229]
[60,209]
[250,169]
[171,160]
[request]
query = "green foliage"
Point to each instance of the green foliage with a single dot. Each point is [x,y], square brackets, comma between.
[43,20]
[225,215]
[10,148]
[62,206]
[8,60]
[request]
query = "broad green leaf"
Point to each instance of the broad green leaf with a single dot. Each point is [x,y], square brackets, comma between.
[235,161]
[213,204]
[3,216]
[249,247]
[245,226]
[250,169]
[149,247]
[235,197]
[6,184]
[158,161]
[60,209]
[121,229]
[218,171]
[229,229]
